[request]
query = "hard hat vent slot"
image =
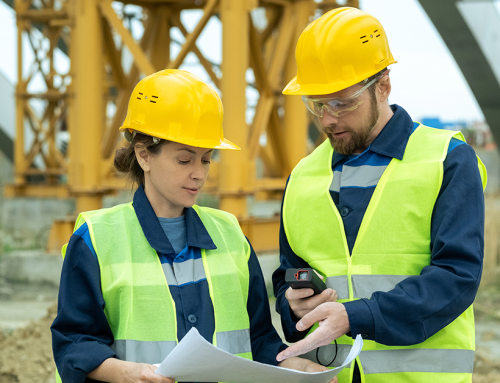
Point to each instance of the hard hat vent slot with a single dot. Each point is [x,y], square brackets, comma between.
[154,102]
[139,98]
[362,37]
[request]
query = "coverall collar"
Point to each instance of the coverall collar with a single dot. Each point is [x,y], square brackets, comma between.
[196,233]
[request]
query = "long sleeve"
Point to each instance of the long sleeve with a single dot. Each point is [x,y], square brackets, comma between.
[266,343]
[420,306]
[80,333]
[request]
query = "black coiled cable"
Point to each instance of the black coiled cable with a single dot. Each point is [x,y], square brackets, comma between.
[335,357]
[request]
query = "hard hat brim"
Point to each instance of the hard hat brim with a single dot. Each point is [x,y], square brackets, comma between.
[295,89]
[292,88]
[226,144]
[223,144]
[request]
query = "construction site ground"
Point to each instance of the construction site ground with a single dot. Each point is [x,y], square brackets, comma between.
[27,311]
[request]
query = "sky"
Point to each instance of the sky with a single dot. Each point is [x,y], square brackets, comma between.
[426,80]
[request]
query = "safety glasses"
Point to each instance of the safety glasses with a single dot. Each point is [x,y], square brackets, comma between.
[337,106]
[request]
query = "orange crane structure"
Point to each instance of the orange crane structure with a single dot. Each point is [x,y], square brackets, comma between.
[90,100]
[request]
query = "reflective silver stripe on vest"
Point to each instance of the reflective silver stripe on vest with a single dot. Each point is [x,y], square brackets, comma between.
[181,273]
[400,360]
[361,176]
[365,285]
[234,342]
[417,360]
[327,353]
[340,285]
[142,351]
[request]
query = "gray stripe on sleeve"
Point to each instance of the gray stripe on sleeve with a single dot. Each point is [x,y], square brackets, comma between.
[169,274]
[335,185]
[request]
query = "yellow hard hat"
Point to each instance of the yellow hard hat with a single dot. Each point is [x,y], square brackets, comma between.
[175,105]
[341,48]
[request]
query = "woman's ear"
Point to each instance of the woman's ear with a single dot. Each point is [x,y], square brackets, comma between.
[142,156]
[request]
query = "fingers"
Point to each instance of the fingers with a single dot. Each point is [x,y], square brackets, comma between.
[314,367]
[301,364]
[330,315]
[319,337]
[333,323]
[319,275]
[333,297]
[319,314]
[295,294]
[302,301]
[290,352]
[155,378]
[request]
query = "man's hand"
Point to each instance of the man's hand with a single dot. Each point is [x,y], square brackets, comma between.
[304,365]
[333,323]
[302,301]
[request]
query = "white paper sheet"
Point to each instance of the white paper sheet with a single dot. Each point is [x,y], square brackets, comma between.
[196,360]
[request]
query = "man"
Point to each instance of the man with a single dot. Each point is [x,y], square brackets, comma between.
[389,212]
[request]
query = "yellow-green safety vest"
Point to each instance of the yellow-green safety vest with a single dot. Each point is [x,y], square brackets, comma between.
[139,307]
[392,244]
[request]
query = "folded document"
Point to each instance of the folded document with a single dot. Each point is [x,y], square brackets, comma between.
[196,360]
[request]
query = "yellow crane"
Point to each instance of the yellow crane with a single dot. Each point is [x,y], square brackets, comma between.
[79,101]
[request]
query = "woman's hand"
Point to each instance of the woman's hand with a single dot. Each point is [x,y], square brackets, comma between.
[144,373]
[305,365]
[119,371]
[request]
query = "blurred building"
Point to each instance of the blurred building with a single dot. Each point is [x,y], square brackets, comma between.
[477,133]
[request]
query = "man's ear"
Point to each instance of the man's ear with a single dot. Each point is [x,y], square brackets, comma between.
[142,156]
[384,89]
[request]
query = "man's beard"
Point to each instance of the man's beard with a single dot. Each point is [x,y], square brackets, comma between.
[357,140]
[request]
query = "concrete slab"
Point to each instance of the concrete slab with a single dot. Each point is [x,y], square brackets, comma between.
[21,303]
[14,314]
[31,266]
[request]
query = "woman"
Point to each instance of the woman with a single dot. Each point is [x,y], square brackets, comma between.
[138,276]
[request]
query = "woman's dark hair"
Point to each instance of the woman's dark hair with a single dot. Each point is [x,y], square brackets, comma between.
[126,161]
